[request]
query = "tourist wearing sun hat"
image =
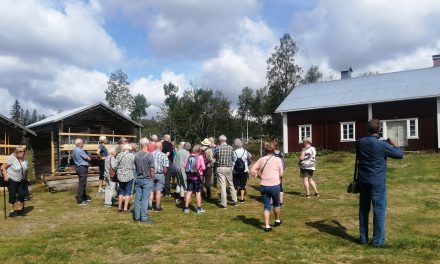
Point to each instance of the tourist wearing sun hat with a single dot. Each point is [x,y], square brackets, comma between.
[208,157]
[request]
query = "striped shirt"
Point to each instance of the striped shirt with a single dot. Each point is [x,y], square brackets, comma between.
[223,155]
[160,161]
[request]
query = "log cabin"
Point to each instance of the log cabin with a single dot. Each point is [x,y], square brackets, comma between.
[333,114]
[12,135]
[54,144]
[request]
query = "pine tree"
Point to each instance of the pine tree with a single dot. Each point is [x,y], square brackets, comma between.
[26,118]
[34,117]
[16,112]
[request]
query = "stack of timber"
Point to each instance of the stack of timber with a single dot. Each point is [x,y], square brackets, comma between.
[68,180]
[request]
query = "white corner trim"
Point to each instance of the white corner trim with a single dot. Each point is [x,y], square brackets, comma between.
[285,134]
[370,112]
[438,122]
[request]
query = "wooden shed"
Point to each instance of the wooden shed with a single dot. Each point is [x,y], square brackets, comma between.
[12,135]
[54,144]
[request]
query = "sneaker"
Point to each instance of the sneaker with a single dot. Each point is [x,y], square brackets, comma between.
[234,204]
[222,206]
[308,196]
[89,199]
[150,208]
[200,211]
[267,229]
[27,198]
[278,223]
[157,210]
[108,205]
[186,210]
[317,195]
[82,203]
[148,221]
[242,201]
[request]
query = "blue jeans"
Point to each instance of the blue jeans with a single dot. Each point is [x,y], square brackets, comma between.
[271,194]
[141,198]
[372,194]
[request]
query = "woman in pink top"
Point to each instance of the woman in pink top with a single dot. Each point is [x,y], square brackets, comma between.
[269,169]
[194,168]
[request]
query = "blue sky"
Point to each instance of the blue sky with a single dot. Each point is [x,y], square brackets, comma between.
[58,54]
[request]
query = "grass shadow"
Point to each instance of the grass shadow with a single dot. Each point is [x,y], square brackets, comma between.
[295,193]
[249,221]
[28,209]
[333,227]
[257,188]
[258,198]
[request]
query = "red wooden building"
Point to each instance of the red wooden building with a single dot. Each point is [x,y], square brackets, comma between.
[335,113]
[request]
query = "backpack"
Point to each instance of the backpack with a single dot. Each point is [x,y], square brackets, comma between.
[239,165]
[192,167]
[280,155]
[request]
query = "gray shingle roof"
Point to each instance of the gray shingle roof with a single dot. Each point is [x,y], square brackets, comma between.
[396,86]
[17,125]
[69,113]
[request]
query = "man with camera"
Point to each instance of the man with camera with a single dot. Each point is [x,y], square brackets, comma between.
[372,154]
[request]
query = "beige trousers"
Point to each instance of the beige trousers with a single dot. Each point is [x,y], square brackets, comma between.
[225,179]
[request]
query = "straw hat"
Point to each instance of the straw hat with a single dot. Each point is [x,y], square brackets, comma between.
[206,142]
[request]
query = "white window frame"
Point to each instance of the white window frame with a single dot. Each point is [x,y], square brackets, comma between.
[408,132]
[300,127]
[342,124]
[408,128]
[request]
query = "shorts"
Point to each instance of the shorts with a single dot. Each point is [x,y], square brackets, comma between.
[194,185]
[271,194]
[158,183]
[240,180]
[125,188]
[306,173]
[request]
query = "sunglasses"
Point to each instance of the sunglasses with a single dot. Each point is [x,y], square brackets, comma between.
[21,151]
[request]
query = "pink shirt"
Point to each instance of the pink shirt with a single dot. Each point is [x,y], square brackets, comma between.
[151,147]
[200,164]
[272,172]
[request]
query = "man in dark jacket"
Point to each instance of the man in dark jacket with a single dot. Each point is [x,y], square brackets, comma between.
[372,156]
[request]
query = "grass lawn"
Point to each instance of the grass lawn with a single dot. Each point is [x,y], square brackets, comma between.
[318,230]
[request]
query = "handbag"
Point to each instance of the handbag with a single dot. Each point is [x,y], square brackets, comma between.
[353,187]
[3,183]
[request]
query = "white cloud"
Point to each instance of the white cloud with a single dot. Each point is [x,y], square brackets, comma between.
[49,51]
[152,88]
[369,34]
[243,62]
[185,29]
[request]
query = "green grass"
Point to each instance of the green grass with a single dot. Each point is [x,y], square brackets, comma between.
[320,230]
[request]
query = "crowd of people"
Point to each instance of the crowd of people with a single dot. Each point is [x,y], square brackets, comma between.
[147,174]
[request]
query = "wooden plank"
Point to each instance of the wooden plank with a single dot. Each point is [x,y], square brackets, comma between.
[10,146]
[95,135]
[52,152]
[88,147]
[64,177]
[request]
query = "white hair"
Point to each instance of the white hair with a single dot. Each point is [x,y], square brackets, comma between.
[126,147]
[112,150]
[306,139]
[78,141]
[102,139]
[238,143]
[222,138]
[167,137]
[181,144]
[144,142]
[153,137]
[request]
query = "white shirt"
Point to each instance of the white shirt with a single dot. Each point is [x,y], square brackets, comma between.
[238,153]
[16,172]
[309,161]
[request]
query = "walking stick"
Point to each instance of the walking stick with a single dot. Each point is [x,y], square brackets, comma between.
[4,200]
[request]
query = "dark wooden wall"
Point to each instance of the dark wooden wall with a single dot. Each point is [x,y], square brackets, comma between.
[16,137]
[326,126]
[423,109]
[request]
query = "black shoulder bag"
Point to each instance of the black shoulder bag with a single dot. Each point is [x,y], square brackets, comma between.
[353,187]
